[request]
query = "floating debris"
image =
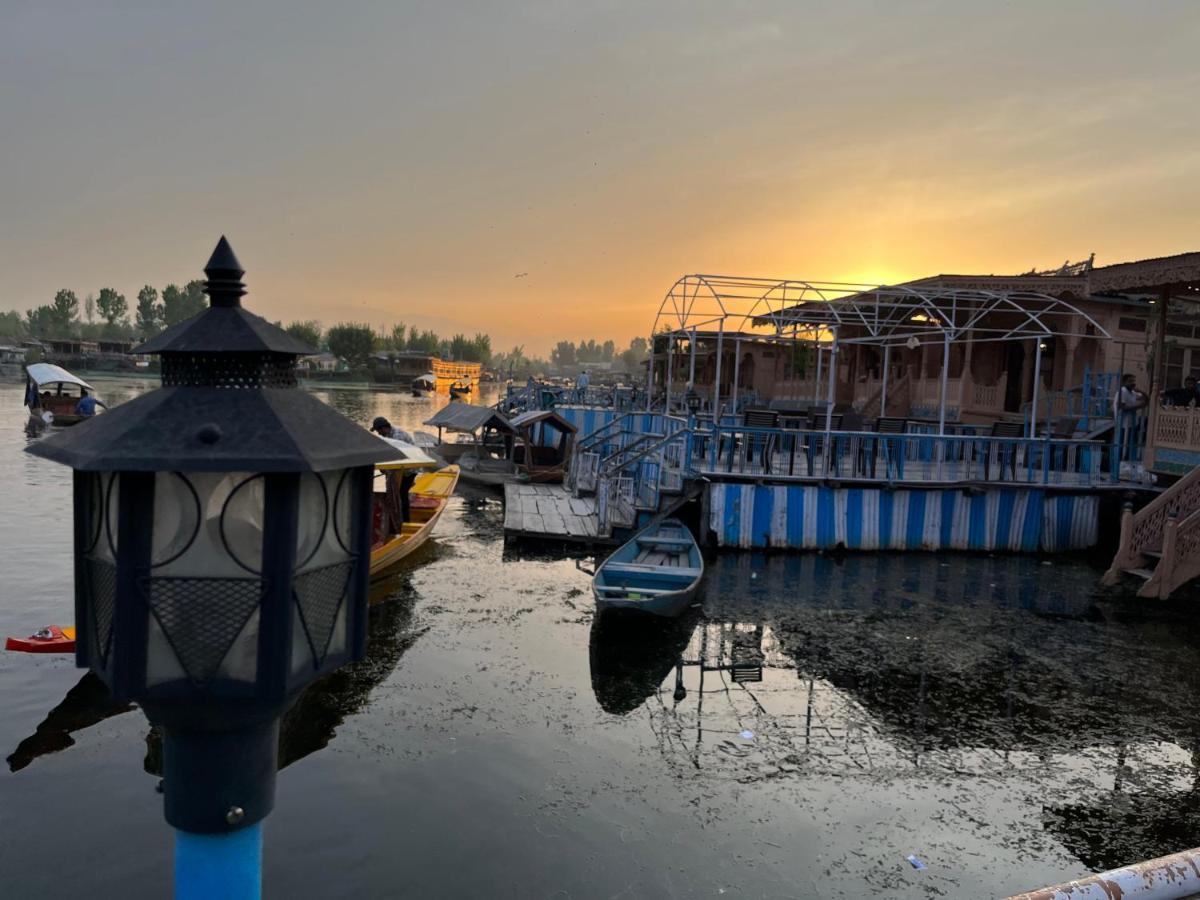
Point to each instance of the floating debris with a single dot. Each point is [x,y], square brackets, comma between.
[914,861]
[748,735]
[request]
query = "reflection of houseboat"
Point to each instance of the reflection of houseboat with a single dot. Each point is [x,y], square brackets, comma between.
[52,394]
[493,450]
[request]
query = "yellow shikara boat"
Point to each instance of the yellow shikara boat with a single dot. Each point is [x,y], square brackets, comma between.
[407,507]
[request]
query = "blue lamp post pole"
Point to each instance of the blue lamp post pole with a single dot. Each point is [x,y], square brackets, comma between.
[222,551]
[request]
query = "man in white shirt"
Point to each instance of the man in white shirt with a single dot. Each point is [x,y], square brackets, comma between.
[1126,404]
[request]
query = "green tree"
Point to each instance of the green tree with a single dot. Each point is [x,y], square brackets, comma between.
[638,352]
[608,351]
[481,348]
[112,306]
[400,337]
[64,313]
[179,304]
[308,331]
[12,325]
[460,347]
[563,354]
[351,342]
[149,313]
[40,320]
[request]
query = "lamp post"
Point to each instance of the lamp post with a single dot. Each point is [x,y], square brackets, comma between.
[222,547]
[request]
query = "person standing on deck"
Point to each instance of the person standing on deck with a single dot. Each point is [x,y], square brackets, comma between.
[581,386]
[1126,405]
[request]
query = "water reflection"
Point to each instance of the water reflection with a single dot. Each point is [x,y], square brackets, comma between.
[85,705]
[307,727]
[910,667]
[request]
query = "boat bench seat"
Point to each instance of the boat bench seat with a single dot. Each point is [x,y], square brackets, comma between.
[620,568]
[663,542]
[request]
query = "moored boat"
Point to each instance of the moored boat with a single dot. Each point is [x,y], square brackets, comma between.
[423,385]
[50,639]
[657,571]
[409,500]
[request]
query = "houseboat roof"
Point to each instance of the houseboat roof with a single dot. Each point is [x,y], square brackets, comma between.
[465,417]
[533,416]
[47,373]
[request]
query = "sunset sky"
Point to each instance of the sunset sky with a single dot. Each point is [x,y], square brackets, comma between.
[396,161]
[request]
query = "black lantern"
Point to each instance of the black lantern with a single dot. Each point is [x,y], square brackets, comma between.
[222,547]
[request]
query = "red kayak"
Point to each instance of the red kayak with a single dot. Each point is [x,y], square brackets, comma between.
[50,639]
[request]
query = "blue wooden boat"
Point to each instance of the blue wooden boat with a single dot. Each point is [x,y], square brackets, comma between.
[658,571]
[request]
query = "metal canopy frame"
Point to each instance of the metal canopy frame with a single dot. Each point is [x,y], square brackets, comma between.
[822,312]
[792,309]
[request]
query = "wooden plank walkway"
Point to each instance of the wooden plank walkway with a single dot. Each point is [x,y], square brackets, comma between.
[548,511]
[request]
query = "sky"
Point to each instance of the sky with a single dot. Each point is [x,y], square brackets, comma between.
[546,170]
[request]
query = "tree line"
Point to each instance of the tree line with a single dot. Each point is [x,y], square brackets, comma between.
[106,315]
[355,342]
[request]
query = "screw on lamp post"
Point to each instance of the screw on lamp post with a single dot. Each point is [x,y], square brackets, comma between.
[222,548]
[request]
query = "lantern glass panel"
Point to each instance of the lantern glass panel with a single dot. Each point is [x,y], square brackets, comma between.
[205,585]
[100,564]
[324,569]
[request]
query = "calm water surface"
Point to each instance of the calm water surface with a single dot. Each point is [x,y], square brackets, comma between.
[815,722]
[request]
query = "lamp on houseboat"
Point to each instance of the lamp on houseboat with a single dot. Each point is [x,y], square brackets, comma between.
[222,547]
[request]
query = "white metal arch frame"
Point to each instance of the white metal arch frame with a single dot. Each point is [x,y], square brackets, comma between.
[837,313]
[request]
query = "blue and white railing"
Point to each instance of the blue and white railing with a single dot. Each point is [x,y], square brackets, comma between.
[897,458]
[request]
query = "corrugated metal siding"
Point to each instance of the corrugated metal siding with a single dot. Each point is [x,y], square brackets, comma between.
[816,517]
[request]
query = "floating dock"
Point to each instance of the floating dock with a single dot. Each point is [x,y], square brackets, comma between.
[550,512]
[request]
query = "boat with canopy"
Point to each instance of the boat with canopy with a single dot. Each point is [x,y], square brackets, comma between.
[52,395]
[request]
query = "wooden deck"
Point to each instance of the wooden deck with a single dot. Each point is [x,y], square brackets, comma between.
[549,512]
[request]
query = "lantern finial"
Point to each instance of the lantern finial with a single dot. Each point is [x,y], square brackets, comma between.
[224,286]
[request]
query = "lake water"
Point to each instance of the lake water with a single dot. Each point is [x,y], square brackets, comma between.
[818,720]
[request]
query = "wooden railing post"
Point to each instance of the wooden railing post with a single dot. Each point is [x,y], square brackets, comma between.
[1163,581]
[1124,555]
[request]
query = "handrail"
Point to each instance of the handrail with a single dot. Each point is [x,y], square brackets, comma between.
[1180,561]
[868,456]
[1144,530]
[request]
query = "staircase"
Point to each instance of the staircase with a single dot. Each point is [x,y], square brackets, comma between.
[1161,542]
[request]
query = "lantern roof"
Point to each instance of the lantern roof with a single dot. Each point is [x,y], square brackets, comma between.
[229,402]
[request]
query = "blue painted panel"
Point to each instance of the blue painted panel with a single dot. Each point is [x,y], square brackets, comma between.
[854,518]
[826,529]
[733,514]
[764,509]
[887,503]
[914,534]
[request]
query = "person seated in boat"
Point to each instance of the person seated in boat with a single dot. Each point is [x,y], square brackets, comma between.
[383,428]
[87,404]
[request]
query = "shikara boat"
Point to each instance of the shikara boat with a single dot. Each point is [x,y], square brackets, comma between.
[423,385]
[409,499]
[658,571]
[51,393]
